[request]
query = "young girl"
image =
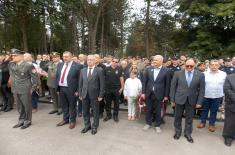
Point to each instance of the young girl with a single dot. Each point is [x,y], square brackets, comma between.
[132,89]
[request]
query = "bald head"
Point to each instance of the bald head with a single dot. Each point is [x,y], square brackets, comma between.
[190,65]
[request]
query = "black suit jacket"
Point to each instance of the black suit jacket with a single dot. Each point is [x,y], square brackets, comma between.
[72,78]
[95,86]
[229,90]
[161,84]
[5,72]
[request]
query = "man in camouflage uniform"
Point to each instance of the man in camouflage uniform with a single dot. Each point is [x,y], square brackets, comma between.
[51,83]
[23,77]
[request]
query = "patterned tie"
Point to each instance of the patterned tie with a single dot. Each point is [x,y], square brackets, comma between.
[63,75]
[89,74]
[189,79]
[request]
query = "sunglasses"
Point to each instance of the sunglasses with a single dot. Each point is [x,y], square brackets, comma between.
[189,66]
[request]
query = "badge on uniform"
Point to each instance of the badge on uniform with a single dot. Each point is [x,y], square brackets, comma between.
[116,72]
[22,73]
[152,70]
[178,68]
[231,69]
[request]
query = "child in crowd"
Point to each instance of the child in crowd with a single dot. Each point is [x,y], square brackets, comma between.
[132,89]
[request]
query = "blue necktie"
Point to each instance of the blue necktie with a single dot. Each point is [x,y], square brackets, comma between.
[189,79]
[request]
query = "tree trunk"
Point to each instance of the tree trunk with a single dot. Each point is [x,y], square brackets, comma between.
[147,29]
[44,33]
[102,36]
[51,41]
[122,41]
[24,34]
[83,34]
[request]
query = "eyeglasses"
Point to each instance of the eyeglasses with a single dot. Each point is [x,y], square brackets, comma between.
[189,66]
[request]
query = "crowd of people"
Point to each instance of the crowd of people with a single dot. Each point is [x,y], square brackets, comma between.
[87,86]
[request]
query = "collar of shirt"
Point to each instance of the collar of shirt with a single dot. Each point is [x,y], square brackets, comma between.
[69,63]
[210,71]
[158,67]
[92,69]
[186,72]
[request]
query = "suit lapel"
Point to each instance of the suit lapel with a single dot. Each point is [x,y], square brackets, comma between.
[152,73]
[85,74]
[93,73]
[193,78]
[60,69]
[159,74]
[184,78]
[70,70]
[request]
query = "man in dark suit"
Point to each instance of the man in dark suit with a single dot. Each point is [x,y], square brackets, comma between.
[229,123]
[5,90]
[91,91]
[187,91]
[156,83]
[67,79]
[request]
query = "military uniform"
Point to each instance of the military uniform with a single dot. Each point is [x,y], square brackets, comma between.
[24,79]
[51,83]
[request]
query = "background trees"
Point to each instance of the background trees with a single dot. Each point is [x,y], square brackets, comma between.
[198,28]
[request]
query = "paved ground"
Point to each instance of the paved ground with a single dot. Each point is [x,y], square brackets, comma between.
[125,137]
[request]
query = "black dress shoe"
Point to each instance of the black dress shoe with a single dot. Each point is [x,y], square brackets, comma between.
[115,118]
[53,112]
[177,136]
[85,130]
[25,126]
[3,108]
[93,131]
[189,138]
[228,141]
[8,109]
[106,118]
[18,125]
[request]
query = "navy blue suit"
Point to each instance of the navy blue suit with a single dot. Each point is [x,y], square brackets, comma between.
[67,94]
[154,97]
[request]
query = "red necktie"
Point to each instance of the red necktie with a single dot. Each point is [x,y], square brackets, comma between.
[63,75]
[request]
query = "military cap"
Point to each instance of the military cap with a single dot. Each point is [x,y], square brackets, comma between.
[15,51]
[227,59]
[174,58]
[55,54]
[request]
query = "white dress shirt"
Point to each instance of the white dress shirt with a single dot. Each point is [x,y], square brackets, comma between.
[132,87]
[65,83]
[214,82]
